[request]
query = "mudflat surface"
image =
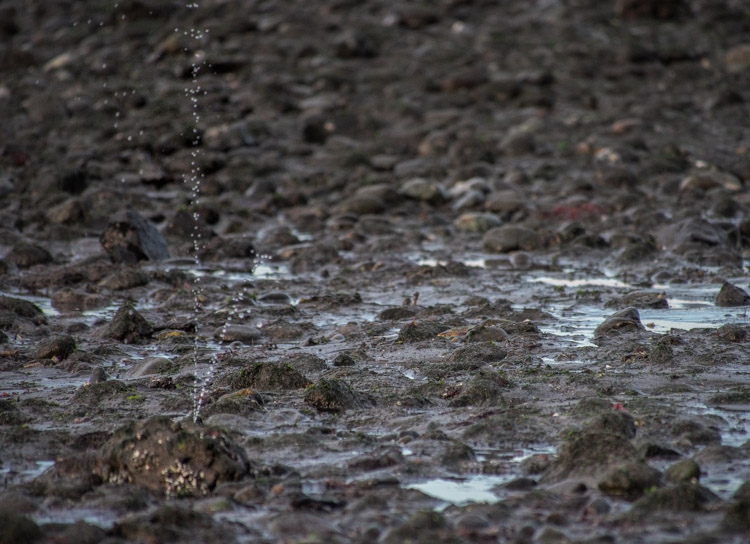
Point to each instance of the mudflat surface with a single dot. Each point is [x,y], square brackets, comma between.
[450,271]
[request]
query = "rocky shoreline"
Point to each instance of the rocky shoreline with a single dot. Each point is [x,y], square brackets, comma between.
[453,271]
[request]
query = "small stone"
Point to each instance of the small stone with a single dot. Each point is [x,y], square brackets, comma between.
[640,299]
[25,255]
[22,308]
[18,529]
[129,238]
[485,389]
[626,320]
[476,222]
[629,480]
[58,348]
[731,296]
[417,331]
[659,9]
[422,527]
[685,497]
[737,59]
[683,471]
[590,453]
[505,202]
[352,44]
[238,333]
[710,179]
[266,376]
[737,516]
[334,395]
[128,326]
[424,190]
[344,359]
[71,212]
[398,313]
[124,278]
[505,239]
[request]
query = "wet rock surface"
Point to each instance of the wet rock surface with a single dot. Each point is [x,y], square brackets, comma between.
[451,271]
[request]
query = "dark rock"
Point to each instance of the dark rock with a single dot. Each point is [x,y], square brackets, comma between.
[25,255]
[235,247]
[629,480]
[389,457]
[738,395]
[22,308]
[415,17]
[615,422]
[477,222]
[684,471]
[505,239]
[58,347]
[11,415]
[417,331]
[18,529]
[187,226]
[281,330]
[640,299]
[177,459]
[172,523]
[421,528]
[692,432]
[659,9]
[685,234]
[70,212]
[733,332]
[352,44]
[124,277]
[396,314]
[424,190]
[316,128]
[661,353]
[98,390]
[244,402]
[731,295]
[69,299]
[590,453]
[344,359]
[129,238]
[737,516]
[128,326]
[79,532]
[485,333]
[485,389]
[267,376]
[456,456]
[685,497]
[334,395]
[481,352]
[626,320]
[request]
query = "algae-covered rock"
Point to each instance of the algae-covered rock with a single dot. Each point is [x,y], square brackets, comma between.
[334,395]
[629,480]
[268,376]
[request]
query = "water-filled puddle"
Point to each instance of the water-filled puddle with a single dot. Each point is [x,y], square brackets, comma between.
[461,492]
[690,307]
[9,474]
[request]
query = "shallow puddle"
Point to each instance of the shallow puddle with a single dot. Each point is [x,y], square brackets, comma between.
[461,492]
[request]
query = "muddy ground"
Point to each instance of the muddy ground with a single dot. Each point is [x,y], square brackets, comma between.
[448,271]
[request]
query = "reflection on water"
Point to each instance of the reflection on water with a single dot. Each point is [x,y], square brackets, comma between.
[461,492]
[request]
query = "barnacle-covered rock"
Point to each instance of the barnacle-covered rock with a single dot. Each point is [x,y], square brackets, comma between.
[178,459]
